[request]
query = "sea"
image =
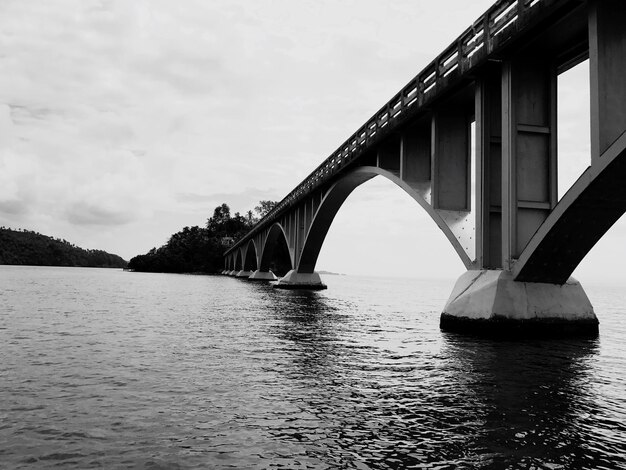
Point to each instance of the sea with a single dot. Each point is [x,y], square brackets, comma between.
[103,368]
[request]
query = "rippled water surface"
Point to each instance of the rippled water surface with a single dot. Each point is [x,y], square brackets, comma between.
[105,368]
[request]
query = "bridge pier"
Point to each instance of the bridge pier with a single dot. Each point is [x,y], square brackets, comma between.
[490,302]
[243,273]
[259,275]
[295,280]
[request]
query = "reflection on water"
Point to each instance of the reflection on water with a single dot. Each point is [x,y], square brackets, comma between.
[127,370]
[531,399]
[473,402]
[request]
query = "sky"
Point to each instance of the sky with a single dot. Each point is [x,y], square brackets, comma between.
[123,121]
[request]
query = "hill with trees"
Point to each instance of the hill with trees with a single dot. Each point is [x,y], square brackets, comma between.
[200,249]
[24,247]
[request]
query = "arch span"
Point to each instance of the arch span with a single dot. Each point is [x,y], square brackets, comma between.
[335,198]
[276,236]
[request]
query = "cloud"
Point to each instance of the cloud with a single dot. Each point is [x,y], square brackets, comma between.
[241,201]
[7,127]
[87,214]
[122,121]
[14,207]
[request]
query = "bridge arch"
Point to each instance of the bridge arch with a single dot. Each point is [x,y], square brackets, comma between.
[250,259]
[275,237]
[336,196]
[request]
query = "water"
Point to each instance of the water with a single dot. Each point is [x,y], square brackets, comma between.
[110,369]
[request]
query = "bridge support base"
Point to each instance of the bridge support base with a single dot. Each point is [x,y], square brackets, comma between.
[490,302]
[262,276]
[295,280]
[242,273]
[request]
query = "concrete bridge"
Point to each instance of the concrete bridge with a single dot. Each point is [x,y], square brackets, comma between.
[519,243]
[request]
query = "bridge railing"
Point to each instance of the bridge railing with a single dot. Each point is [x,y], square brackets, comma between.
[493,29]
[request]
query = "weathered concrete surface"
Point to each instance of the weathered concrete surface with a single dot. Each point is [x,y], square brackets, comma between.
[491,302]
[259,275]
[296,280]
[242,273]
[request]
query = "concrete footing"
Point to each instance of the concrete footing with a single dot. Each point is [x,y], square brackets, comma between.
[490,302]
[262,276]
[296,280]
[242,273]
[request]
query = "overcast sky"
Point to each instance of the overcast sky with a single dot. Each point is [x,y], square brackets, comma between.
[123,121]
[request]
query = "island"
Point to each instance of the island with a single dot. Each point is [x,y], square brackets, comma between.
[25,247]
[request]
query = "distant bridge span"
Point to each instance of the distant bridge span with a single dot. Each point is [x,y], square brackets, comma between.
[519,243]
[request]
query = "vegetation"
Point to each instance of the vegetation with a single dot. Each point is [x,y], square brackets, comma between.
[199,250]
[264,208]
[24,247]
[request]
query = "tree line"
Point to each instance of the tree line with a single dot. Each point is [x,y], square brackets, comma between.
[24,247]
[200,249]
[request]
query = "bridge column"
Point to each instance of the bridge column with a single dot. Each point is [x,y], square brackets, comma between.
[515,111]
[303,276]
[451,160]
[226,265]
[529,173]
[488,112]
[607,62]
[231,266]
[240,270]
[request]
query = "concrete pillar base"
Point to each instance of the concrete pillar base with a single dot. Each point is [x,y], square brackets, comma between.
[231,273]
[296,280]
[242,273]
[262,276]
[490,302]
